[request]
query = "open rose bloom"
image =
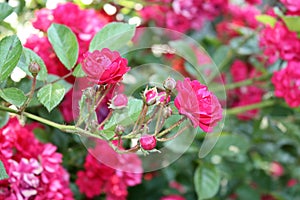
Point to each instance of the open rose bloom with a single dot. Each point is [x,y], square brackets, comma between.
[105,66]
[198,104]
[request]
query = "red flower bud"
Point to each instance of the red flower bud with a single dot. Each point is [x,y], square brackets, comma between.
[161,97]
[119,101]
[148,142]
[150,96]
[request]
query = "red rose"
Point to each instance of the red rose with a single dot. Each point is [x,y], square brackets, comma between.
[287,83]
[198,104]
[105,66]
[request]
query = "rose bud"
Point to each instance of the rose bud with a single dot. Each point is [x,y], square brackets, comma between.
[148,142]
[150,96]
[34,68]
[162,96]
[167,112]
[169,83]
[276,169]
[118,102]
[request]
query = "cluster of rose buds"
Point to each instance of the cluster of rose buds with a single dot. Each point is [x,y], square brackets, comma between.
[194,103]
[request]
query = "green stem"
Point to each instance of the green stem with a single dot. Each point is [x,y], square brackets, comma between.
[139,118]
[238,110]
[65,128]
[174,136]
[232,52]
[246,82]
[161,107]
[31,93]
[171,127]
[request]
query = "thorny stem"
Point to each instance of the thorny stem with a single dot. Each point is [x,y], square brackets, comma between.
[139,118]
[174,136]
[158,122]
[171,127]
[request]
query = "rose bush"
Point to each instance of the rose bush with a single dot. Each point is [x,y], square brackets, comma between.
[64,72]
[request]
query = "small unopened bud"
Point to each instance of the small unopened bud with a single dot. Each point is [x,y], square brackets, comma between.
[148,142]
[162,96]
[119,130]
[150,96]
[118,102]
[169,83]
[167,112]
[34,68]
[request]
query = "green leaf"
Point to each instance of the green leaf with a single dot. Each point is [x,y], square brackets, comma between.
[51,95]
[3,174]
[207,181]
[64,43]
[220,54]
[10,52]
[127,116]
[4,117]
[266,19]
[57,79]
[29,56]
[14,96]
[185,50]
[78,72]
[292,22]
[5,10]
[113,36]
[230,145]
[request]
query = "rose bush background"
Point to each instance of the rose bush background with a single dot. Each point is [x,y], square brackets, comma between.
[255,45]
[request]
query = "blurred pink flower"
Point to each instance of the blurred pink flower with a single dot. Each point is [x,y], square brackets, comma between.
[245,95]
[34,168]
[293,6]
[292,182]
[279,42]
[97,177]
[173,197]
[182,15]
[276,169]
[253,1]
[198,104]
[287,83]
[235,19]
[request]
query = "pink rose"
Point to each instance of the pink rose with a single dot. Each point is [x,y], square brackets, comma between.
[173,197]
[276,169]
[105,66]
[198,104]
[119,101]
[287,83]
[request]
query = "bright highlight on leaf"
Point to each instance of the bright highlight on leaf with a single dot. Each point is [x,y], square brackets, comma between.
[113,36]
[10,52]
